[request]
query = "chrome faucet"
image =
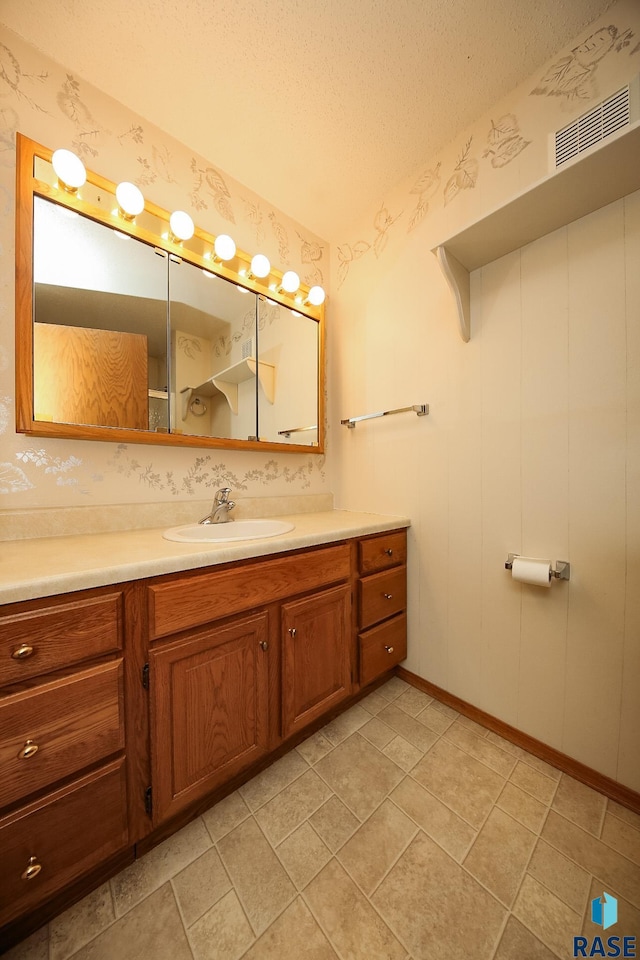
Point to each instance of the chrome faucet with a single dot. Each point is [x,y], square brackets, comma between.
[221,509]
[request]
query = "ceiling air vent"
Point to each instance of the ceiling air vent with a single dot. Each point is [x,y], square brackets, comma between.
[608,117]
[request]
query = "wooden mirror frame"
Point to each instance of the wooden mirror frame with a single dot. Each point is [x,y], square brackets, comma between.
[28,186]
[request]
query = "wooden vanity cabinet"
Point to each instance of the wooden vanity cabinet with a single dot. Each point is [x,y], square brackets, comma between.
[63,790]
[382,601]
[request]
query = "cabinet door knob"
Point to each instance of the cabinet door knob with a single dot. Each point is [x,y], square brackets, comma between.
[293,631]
[22,652]
[29,749]
[33,869]
[389,649]
[389,552]
[264,644]
[388,596]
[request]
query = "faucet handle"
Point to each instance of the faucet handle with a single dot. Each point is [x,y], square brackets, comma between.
[222,496]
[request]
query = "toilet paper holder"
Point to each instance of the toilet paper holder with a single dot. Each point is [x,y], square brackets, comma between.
[562,569]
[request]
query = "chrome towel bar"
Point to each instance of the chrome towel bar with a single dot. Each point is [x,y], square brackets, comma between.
[422,409]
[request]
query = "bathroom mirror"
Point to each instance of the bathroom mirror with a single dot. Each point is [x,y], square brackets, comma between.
[124,333]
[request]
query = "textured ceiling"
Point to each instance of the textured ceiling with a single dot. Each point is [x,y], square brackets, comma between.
[319,106]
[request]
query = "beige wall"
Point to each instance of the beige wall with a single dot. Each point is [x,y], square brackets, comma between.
[532,443]
[39,98]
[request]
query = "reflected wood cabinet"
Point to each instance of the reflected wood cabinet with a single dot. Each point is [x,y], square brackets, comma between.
[125,711]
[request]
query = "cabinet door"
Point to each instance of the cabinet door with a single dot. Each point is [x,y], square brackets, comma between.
[315,656]
[209,711]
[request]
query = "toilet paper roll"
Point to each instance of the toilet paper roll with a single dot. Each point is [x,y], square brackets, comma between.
[527,570]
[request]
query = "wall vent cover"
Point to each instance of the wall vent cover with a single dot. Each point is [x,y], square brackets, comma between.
[606,118]
[247,349]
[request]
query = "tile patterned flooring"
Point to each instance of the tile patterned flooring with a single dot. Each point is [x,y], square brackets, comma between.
[400,831]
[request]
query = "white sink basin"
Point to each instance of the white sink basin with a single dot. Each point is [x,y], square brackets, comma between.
[227,532]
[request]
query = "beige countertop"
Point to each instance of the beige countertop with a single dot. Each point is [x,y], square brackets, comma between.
[41,568]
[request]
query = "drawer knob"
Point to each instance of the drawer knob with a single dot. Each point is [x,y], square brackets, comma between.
[22,652]
[293,631]
[264,644]
[389,552]
[30,748]
[388,649]
[32,870]
[388,596]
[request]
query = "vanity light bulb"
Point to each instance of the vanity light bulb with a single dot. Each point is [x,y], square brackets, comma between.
[260,266]
[181,224]
[315,296]
[69,170]
[130,200]
[290,281]
[224,247]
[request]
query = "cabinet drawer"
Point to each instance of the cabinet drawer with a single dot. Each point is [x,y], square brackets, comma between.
[382,595]
[382,552]
[382,648]
[56,729]
[66,833]
[50,638]
[192,601]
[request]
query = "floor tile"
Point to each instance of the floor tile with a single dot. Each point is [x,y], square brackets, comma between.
[200,885]
[444,826]
[445,709]
[500,854]
[413,701]
[403,753]
[408,727]
[540,765]
[465,784]
[435,719]
[580,804]
[223,933]
[225,815]
[623,813]
[470,724]
[628,922]
[151,929]
[293,935]
[563,877]
[157,866]
[81,923]
[346,724]
[377,733]
[517,943]
[376,845]
[303,855]
[271,781]
[532,781]
[259,878]
[360,775]
[465,737]
[286,811]
[350,922]
[334,823]
[437,908]
[374,703]
[622,836]
[594,856]
[522,807]
[547,917]
[393,688]
[315,747]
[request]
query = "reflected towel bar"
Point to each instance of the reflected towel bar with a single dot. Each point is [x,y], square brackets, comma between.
[286,433]
[422,409]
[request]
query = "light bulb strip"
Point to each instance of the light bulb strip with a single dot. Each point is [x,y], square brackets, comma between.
[199,249]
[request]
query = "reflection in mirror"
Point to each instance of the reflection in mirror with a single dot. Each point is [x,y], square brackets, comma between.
[213,335]
[100,324]
[289,341]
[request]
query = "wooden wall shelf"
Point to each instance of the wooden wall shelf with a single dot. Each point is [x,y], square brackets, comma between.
[226,382]
[593,180]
